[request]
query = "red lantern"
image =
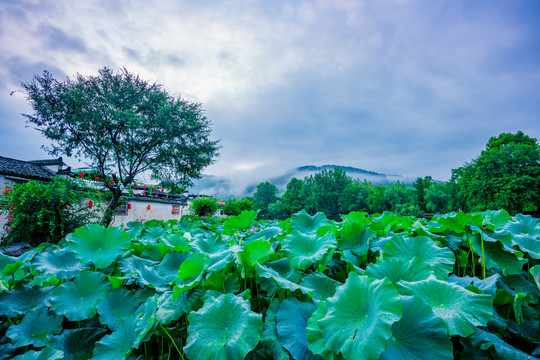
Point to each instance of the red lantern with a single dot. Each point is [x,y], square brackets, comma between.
[144,187]
[155,188]
[96,178]
[135,186]
[112,181]
[129,206]
[90,203]
[81,174]
[148,207]
[162,190]
[174,209]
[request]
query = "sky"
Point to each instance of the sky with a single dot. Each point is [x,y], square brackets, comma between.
[413,88]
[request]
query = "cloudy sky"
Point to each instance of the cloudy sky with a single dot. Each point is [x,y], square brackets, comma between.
[400,87]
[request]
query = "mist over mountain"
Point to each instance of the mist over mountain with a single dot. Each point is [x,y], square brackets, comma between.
[225,187]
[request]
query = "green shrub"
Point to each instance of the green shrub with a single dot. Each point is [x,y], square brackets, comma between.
[235,207]
[46,212]
[204,206]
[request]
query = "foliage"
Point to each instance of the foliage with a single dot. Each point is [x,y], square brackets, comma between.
[437,198]
[323,190]
[235,207]
[390,287]
[505,175]
[124,126]
[46,212]
[265,195]
[204,206]
[420,186]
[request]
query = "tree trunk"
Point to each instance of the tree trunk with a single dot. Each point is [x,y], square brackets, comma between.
[113,204]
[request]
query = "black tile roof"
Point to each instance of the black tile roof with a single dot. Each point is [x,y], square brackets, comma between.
[24,169]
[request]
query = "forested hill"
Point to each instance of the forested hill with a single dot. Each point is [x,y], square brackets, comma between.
[226,187]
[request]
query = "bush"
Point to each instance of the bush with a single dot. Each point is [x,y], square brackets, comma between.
[235,207]
[204,206]
[46,212]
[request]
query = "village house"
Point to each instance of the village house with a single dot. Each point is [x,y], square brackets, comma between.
[139,204]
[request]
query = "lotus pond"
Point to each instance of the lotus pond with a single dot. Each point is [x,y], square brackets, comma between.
[462,286]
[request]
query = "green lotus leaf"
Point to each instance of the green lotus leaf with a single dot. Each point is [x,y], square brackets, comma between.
[396,269]
[150,236]
[36,328]
[77,299]
[98,244]
[355,237]
[304,250]
[441,260]
[6,259]
[306,224]
[358,217]
[360,315]
[495,255]
[168,268]
[132,263]
[418,333]
[135,229]
[515,284]
[61,263]
[535,273]
[155,252]
[177,242]
[314,336]
[223,281]
[266,233]
[224,328]
[323,286]
[269,337]
[498,218]
[461,309]
[389,222]
[487,285]
[116,306]
[78,344]
[47,353]
[458,222]
[240,222]
[292,317]
[484,340]
[257,251]
[353,262]
[129,335]
[526,234]
[213,246]
[24,298]
[149,277]
[279,275]
[169,310]
[190,273]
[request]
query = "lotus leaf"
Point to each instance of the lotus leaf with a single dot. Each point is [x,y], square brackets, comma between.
[358,217]
[168,267]
[151,235]
[78,344]
[360,315]
[355,237]
[257,251]
[304,250]
[484,340]
[177,242]
[22,299]
[323,286]
[47,353]
[190,273]
[224,328]
[292,317]
[461,309]
[77,299]
[115,306]
[396,269]
[306,224]
[169,310]
[488,285]
[99,245]
[495,255]
[279,274]
[418,333]
[526,234]
[271,346]
[227,282]
[441,260]
[242,221]
[61,263]
[36,328]
[314,336]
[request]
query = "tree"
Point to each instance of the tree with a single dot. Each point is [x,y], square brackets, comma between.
[292,198]
[265,195]
[420,186]
[235,207]
[437,198]
[46,212]
[322,191]
[203,206]
[124,126]
[506,175]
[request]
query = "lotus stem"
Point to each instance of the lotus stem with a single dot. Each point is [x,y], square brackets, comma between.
[170,337]
[483,257]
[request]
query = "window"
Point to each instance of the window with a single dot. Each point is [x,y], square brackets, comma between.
[122,209]
[175,210]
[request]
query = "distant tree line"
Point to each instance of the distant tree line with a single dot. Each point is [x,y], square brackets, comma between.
[506,175]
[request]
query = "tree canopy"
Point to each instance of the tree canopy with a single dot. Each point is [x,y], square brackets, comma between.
[506,175]
[124,126]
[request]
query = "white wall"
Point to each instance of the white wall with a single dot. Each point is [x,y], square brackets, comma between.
[159,210]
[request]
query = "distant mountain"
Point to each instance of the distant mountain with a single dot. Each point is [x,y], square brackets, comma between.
[225,187]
